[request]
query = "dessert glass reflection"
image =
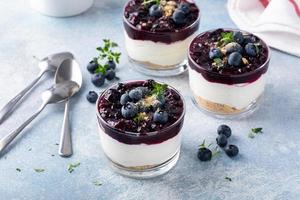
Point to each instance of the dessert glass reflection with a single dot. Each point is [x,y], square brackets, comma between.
[140,124]
[157,36]
[227,71]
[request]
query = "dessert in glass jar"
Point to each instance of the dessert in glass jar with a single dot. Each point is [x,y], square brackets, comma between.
[158,33]
[227,71]
[140,123]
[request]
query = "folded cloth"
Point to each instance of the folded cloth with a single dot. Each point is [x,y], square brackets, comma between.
[276,21]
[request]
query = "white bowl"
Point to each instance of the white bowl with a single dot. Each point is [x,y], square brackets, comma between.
[61,8]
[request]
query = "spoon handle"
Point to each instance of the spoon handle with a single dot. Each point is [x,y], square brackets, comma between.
[65,145]
[10,106]
[4,142]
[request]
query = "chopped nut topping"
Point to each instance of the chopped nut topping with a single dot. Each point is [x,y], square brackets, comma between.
[245,61]
[169,8]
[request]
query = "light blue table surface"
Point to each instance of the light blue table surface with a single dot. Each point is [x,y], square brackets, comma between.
[267,167]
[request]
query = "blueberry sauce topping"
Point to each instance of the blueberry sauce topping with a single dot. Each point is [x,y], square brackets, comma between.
[140,107]
[173,19]
[229,56]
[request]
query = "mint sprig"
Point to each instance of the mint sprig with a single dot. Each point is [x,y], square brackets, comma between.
[226,37]
[107,51]
[159,89]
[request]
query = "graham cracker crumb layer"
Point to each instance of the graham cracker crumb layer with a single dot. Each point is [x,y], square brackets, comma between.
[216,107]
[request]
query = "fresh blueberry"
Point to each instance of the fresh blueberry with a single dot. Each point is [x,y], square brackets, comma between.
[92,66]
[204,154]
[125,98]
[224,130]
[178,17]
[232,150]
[110,65]
[135,94]
[238,37]
[233,47]
[144,90]
[159,103]
[250,49]
[185,7]
[98,79]
[110,74]
[129,110]
[215,53]
[155,11]
[222,140]
[92,96]
[160,116]
[235,59]
[249,39]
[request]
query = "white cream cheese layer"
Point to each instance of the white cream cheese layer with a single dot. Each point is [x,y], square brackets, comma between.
[158,53]
[238,96]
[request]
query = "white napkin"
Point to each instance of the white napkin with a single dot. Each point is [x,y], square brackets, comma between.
[277,22]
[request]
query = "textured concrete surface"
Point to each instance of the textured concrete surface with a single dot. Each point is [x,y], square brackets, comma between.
[267,168]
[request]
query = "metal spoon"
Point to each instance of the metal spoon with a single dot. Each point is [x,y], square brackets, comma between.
[56,94]
[69,70]
[47,64]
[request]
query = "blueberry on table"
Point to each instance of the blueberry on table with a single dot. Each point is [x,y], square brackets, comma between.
[98,79]
[232,150]
[92,96]
[233,47]
[125,98]
[224,130]
[178,17]
[185,7]
[129,110]
[204,154]
[155,11]
[250,49]
[110,74]
[215,53]
[238,37]
[110,65]
[160,116]
[235,59]
[136,94]
[221,140]
[92,66]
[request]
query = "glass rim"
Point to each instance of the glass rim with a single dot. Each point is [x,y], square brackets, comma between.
[229,75]
[160,33]
[136,134]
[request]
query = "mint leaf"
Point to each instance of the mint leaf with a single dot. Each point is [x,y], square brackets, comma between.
[97,183]
[159,89]
[257,130]
[151,1]
[39,170]
[71,167]
[226,37]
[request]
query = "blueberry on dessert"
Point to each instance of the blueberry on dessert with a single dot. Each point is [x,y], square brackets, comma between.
[227,71]
[140,123]
[158,32]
